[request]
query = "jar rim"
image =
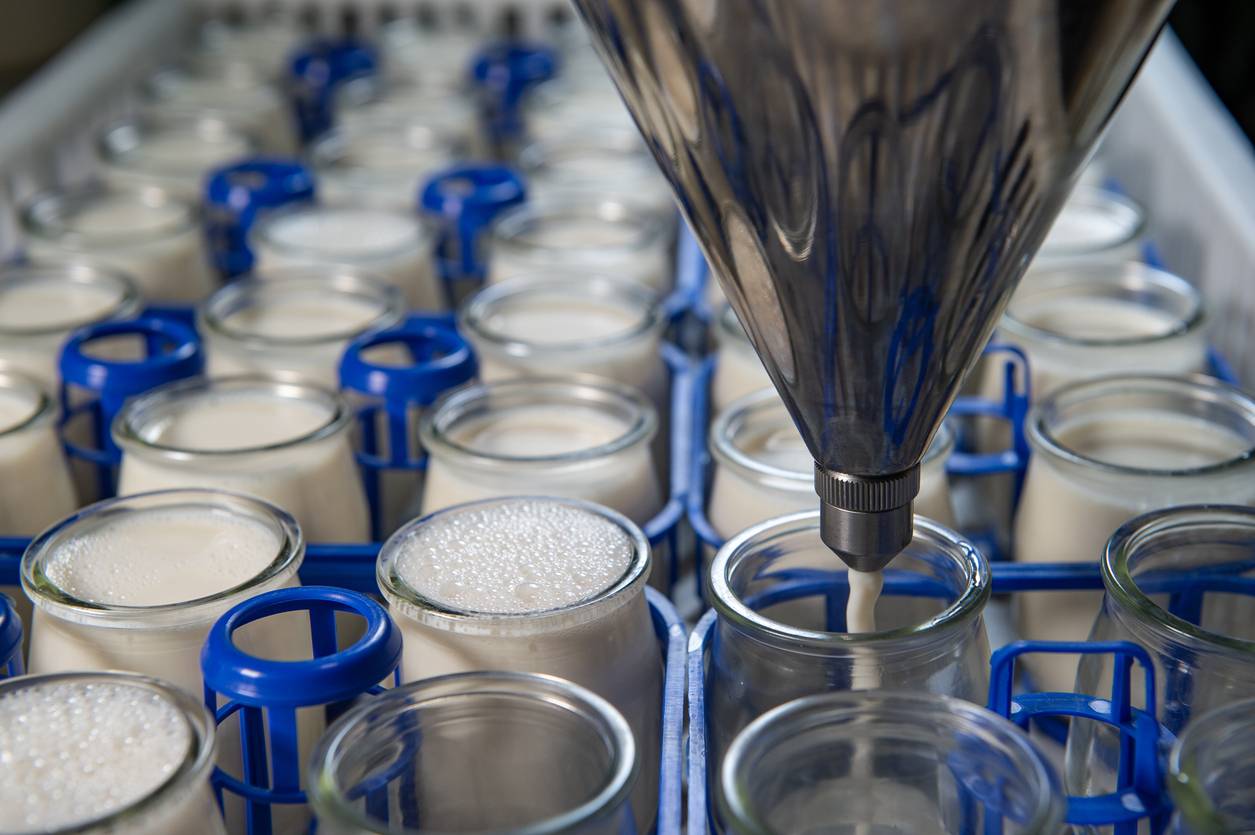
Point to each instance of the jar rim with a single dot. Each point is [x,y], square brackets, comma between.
[729,422]
[1132,281]
[1132,215]
[947,714]
[414,604]
[49,215]
[44,408]
[1121,583]
[328,796]
[127,303]
[194,768]
[137,413]
[1198,387]
[56,601]
[280,284]
[731,608]
[456,404]
[568,285]
[511,227]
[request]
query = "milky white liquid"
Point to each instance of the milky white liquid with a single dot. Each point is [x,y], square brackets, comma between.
[55,309]
[391,245]
[36,489]
[177,161]
[1054,364]
[599,170]
[563,334]
[317,481]
[779,478]
[624,481]
[1067,515]
[531,556]
[75,751]
[579,240]
[381,169]
[159,246]
[332,319]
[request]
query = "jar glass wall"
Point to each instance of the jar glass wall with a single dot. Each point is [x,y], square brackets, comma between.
[885,761]
[1212,773]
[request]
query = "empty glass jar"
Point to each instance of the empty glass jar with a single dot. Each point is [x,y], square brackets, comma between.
[1104,451]
[781,597]
[886,762]
[1212,773]
[477,752]
[1180,582]
[602,234]
[295,321]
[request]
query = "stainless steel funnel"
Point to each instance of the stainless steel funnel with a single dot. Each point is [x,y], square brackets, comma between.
[868,179]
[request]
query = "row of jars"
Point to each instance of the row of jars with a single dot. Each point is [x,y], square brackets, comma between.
[541,586]
[462,588]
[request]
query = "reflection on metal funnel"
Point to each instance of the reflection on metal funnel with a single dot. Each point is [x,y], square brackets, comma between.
[868,179]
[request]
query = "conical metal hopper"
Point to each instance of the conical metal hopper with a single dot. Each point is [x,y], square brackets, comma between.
[868,179]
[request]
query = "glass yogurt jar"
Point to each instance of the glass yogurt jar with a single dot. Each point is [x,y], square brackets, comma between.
[104,753]
[538,585]
[570,323]
[1104,451]
[395,246]
[577,439]
[151,236]
[738,370]
[478,752]
[41,305]
[294,321]
[37,488]
[250,104]
[762,468]
[174,155]
[283,441]
[1094,225]
[381,162]
[600,234]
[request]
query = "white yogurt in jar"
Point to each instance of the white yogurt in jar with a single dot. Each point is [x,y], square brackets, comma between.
[574,439]
[153,238]
[40,306]
[536,585]
[1093,225]
[1105,451]
[569,324]
[381,163]
[368,101]
[174,155]
[250,104]
[1095,320]
[392,245]
[135,583]
[37,488]
[763,469]
[294,322]
[582,232]
[286,442]
[738,370]
[104,753]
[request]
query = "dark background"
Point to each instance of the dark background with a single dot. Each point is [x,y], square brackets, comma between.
[1220,34]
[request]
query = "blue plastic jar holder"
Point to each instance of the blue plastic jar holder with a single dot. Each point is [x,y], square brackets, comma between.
[1138,793]
[267,694]
[234,197]
[390,396]
[317,70]
[505,72]
[10,639]
[467,198]
[94,387]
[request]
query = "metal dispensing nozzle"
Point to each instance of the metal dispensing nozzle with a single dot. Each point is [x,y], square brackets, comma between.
[869,179]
